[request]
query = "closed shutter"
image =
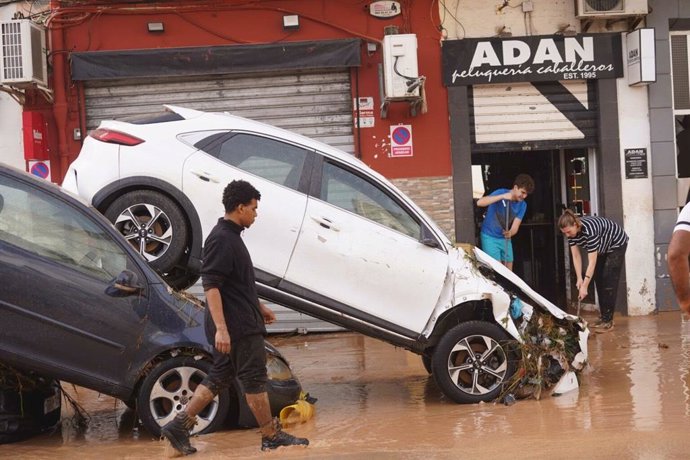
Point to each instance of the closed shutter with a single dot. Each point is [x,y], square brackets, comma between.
[314,104]
[508,116]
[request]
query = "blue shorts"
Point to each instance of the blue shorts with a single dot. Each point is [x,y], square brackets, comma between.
[500,249]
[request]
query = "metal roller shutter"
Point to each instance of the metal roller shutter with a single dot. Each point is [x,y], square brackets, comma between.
[314,104]
[317,105]
[555,113]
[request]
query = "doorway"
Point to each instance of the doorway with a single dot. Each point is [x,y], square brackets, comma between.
[538,246]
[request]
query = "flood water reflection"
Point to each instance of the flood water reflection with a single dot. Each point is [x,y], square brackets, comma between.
[377,401]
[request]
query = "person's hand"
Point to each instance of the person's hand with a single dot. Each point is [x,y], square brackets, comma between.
[223,341]
[507,235]
[508,196]
[267,313]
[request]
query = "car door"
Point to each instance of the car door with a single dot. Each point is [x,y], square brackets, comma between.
[361,246]
[275,169]
[56,262]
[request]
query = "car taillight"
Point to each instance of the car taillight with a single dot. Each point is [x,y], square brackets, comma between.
[115,137]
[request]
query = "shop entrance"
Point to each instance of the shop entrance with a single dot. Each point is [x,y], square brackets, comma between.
[538,246]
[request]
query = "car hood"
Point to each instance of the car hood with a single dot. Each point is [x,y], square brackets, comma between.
[473,275]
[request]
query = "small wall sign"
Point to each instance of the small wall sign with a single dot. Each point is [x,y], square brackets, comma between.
[636,163]
[401,141]
[384,9]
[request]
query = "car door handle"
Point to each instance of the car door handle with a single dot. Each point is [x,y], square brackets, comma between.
[325,223]
[206,177]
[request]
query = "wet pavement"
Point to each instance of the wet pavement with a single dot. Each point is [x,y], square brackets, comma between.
[377,401]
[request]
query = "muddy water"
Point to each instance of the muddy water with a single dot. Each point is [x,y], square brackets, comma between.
[376,401]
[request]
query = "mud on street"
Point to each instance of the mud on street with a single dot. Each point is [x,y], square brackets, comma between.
[377,401]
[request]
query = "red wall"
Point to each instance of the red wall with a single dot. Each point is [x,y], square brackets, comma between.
[123,26]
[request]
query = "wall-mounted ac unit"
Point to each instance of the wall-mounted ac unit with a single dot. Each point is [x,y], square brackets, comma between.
[23,54]
[400,72]
[594,9]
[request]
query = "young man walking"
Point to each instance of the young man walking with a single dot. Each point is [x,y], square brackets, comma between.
[234,324]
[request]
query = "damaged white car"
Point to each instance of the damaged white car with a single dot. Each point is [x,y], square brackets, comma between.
[335,240]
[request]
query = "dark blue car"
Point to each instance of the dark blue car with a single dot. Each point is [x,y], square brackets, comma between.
[78,303]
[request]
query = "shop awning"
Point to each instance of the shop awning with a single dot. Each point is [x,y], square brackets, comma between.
[210,60]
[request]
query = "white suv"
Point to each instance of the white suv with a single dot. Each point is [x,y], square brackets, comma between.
[334,239]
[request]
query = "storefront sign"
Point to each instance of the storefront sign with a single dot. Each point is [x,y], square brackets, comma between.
[473,61]
[384,9]
[364,112]
[641,57]
[636,163]
[401,141]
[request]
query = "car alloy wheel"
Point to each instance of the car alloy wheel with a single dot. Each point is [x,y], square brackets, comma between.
[169,387]
[153,224]
[471,362]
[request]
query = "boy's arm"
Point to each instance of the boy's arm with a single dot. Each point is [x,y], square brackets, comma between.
[487,200]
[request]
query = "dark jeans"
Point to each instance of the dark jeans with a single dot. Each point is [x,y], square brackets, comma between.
[246,361]
[607,273]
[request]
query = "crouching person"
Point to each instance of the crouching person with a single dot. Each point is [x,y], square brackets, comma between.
[234,324]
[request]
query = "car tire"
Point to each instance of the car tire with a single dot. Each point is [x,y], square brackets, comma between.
[472,362]
[167,389]
[426,361]
[156,218]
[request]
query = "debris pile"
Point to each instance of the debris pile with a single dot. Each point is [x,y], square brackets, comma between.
[548,351]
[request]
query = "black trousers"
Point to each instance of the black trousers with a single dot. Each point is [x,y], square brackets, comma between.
[607,273]
[246,361]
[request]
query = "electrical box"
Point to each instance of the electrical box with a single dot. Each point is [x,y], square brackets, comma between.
[400,71]
[23,53]
[610,8]
[37,135]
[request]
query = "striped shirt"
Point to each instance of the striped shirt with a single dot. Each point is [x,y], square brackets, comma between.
[599,234]
[683,222]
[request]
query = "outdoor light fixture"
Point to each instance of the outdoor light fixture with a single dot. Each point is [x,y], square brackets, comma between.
[291,21]
[155,27]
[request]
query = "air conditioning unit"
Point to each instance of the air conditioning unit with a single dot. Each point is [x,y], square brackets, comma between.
[401,75]
[23,54]
[610,8]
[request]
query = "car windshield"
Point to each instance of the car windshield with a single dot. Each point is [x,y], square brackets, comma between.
[35,221]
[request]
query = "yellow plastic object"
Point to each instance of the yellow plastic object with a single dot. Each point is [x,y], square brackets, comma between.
[299,412]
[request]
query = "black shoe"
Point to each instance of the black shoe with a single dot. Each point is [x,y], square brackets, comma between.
[282,438]
[177,432]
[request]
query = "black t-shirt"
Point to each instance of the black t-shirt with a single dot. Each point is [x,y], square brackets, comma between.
[228,266]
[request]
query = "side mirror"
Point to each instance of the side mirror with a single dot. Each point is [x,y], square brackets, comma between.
[125,284]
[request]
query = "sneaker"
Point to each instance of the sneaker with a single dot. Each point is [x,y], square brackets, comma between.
[177,432]
[606,326]
[282,438]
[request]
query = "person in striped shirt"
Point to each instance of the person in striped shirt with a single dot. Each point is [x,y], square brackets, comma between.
[605,242]
[678,253]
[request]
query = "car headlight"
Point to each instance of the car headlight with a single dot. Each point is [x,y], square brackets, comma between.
[277,369]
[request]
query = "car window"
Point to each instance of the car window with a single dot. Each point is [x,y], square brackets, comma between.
[346,190]
[35,221]
[273,160]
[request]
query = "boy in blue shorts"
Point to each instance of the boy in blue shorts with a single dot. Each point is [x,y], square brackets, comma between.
[503,218]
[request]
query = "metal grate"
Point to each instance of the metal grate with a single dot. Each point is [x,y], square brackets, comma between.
[592,6]
[12,63]
[679,62]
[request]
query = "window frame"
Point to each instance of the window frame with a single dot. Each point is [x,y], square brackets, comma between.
[315,192]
